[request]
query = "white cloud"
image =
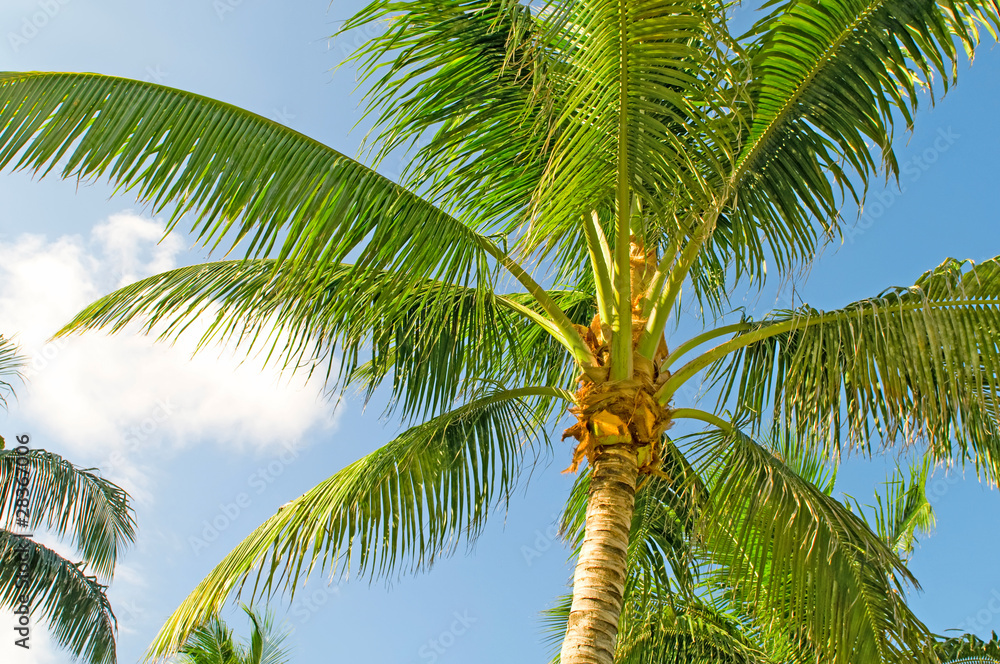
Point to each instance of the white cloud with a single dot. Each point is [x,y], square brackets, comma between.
[134,247]
[41,649]
[111,400]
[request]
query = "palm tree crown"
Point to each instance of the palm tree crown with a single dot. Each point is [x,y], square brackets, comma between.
[213,642]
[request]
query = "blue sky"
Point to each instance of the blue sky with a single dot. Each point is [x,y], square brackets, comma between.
[212,440]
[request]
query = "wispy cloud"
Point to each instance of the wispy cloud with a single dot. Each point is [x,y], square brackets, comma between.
[111,400]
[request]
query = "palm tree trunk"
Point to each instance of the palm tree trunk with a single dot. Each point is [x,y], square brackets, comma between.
[599,581]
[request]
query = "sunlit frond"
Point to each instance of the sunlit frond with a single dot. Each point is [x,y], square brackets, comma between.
[432,340]
[828,81]
[11,363]
[902,510]
[918,363]
[408,503]
[800,562]
[249,181]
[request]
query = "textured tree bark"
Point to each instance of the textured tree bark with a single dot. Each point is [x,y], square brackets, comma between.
[599,581]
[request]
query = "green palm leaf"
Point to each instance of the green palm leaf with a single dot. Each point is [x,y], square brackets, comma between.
[11,362]
[411,500]
[67,500]
[799,561]
[266,645]
[968,649]
[246,177]
[829,80]
[73,604]
[479,123]
[633,110]
[902,509]
[213,643]
[527,109]
[430,337]
[921,362]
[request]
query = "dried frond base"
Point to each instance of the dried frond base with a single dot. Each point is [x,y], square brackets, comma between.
[618,412]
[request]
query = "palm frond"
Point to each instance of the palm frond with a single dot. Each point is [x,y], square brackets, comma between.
[902,509]
[211,643]
[805,461]
[11,362]
[69,501]
[73,604]
[828,80]
[431,338]
[247,179]
[267,643]
[687,631]
[412,500]
[921,363]
[968,649]
[642,88]
[463,82]
[799,561]
[534,116]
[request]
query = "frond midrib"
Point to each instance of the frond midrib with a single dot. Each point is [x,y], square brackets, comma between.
[750,154]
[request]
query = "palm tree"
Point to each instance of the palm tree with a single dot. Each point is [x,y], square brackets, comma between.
[213,643]
[632,151]
[968,649]
[39,489]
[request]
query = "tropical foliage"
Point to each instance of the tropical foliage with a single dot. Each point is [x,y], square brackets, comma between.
[213,642]
[82,507]
[11,362]
[631,152]
[39,489]
[681,606]
[968,649]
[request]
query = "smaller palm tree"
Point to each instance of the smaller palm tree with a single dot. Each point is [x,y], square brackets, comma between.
[213,643]
[41,490]
[968,649]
